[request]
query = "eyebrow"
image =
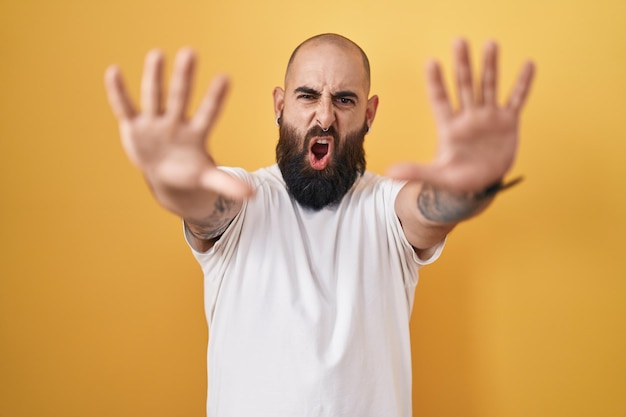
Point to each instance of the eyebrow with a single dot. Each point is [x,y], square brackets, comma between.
[314,92]
[346,93]
[307,90]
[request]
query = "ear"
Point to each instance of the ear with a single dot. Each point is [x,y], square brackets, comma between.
[370,111]
[279,101]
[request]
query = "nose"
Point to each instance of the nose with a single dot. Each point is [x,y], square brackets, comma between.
[325,113]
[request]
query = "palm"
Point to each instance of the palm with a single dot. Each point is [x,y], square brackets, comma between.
[173,153]
[476,148]
[169,148]
[478,142]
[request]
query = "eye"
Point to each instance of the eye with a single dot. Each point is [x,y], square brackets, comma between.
[307,97]
[345,100]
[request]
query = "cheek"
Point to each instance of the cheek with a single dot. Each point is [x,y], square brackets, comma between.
[298,113]
[292,136]
[350,121]
[296,124]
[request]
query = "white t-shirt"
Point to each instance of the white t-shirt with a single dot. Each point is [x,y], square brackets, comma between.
[309,311]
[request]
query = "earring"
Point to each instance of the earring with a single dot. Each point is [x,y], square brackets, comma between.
[277,121]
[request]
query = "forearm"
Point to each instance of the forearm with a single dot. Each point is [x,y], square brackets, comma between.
[207,214]
[444,208]
[428,214]
[202,235]
[439,211]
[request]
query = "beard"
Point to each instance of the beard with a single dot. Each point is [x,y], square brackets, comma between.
[316,189]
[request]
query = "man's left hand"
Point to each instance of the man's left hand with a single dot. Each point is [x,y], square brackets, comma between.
[478,141]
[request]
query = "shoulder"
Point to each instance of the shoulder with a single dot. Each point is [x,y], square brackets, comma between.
[270,174]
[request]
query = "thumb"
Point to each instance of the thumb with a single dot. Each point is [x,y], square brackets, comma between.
[433,175]
[413,172]
[226,184]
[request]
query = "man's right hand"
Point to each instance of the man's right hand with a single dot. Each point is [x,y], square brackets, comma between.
[169,148]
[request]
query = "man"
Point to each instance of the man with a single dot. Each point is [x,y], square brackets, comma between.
[311,264]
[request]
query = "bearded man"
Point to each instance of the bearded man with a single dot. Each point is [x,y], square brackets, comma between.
[310,265]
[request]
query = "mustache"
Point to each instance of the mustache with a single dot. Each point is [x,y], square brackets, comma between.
[317,131]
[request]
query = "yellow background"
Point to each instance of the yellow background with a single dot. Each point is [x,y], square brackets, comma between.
[101,302]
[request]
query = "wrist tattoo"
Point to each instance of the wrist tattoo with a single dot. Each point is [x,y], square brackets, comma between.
[224,212]
[449,207]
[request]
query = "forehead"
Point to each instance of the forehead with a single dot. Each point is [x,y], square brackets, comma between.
[322,65]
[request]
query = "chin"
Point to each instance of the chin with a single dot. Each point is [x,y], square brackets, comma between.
[318,188]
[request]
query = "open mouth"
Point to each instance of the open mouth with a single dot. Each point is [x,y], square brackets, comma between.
[320,151]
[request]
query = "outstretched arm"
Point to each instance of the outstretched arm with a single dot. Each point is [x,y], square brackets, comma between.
[170,149]
[477,147]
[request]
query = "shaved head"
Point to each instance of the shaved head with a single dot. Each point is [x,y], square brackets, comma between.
[324,114]
[338,41]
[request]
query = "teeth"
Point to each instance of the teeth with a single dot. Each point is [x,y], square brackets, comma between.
[322,141]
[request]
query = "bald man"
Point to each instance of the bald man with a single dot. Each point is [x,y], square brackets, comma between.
[310,264]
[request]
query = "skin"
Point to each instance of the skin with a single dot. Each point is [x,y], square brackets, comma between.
[326,84]
[477,146]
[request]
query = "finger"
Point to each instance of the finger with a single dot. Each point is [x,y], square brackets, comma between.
[489,81]
[181,84]
[151,83]
[465,84]
[437,94]
[119,100]
[522,87]
[226,184]
[211,104]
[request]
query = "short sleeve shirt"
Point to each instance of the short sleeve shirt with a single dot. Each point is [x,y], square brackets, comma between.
[309,311]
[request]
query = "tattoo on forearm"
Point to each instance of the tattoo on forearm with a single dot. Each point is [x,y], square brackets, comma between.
[218,221]
[446,207]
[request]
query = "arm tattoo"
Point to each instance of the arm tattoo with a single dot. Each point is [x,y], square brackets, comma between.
[224,211]
[447,207]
